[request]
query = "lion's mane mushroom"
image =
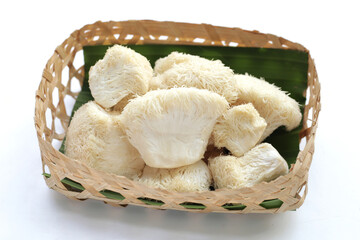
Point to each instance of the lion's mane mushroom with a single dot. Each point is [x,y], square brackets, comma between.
[97,138]
[120,75]
[262,163]
[179,69]
[239,129]
[274,105]
[195,177]
[171,128]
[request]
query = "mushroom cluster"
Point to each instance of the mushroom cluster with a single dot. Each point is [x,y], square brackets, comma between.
[188,124]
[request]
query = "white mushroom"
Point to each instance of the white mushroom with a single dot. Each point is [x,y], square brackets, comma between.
[262,163]
[171,128]
[239,129]
[191,178]
[179,69]
[97,138]
[122,72]
[174,58]
[274,105]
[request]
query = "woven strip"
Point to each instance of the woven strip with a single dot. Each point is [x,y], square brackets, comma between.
[291,189]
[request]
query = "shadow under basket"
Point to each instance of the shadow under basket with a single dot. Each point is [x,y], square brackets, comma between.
[63,79]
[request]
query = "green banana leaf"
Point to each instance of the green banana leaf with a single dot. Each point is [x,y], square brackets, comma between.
[284,68]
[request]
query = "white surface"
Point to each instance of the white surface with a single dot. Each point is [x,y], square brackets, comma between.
[29,210]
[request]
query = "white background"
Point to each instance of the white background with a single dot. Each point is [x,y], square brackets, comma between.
[30,31]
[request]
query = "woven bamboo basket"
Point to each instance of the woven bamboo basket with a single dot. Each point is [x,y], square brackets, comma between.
[115,190]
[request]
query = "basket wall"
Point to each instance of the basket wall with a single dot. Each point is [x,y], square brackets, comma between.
[56,92]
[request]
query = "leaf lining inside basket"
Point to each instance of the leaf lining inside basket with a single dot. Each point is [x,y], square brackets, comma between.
[69,184]
[150,201]
[191,205]
[112,195]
